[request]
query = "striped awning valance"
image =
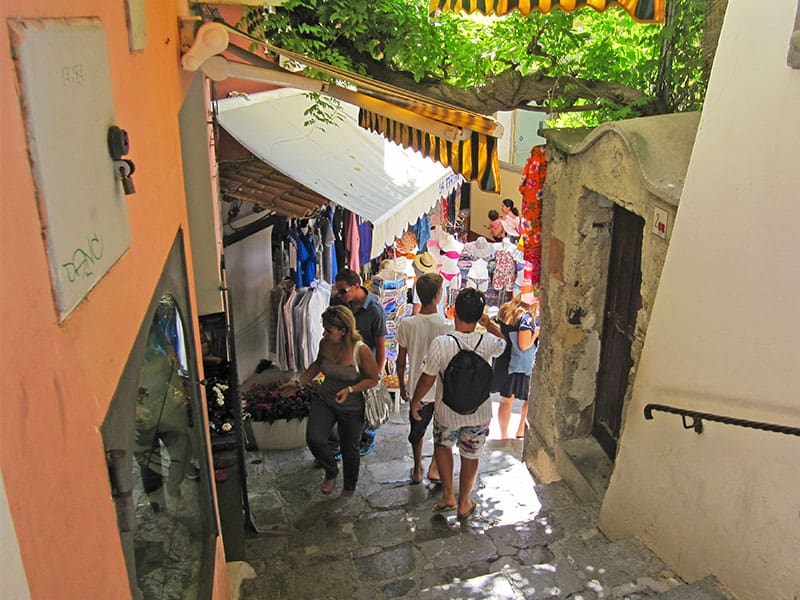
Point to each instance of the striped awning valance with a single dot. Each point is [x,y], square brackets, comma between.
[644,11]
[475,158]
[460,139]
[422,105]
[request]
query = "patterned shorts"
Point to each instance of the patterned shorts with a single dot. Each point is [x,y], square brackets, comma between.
[470,439]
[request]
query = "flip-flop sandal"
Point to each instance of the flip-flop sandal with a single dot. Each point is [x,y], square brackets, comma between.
[328,486]
[414,481]
[467,514]
[435,479]
[439,507]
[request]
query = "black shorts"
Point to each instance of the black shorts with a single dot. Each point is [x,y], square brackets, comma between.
[418,428]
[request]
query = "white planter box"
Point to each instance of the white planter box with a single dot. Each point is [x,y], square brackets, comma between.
[280,435]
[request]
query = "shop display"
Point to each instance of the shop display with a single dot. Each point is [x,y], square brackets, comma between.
[390,289]
[531,189]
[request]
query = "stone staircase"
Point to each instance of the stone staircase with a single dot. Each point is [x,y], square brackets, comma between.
[525,541]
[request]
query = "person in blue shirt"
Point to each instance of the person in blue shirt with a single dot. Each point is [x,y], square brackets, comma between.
[519,322]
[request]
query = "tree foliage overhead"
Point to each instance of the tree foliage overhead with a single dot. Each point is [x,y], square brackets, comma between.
[590,67]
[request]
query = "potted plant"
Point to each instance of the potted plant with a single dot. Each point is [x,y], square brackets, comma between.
[277,417]
[220,417]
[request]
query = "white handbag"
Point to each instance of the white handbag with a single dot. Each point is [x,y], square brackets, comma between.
[377,399]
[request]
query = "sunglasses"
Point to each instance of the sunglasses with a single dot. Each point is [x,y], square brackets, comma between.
[343,291]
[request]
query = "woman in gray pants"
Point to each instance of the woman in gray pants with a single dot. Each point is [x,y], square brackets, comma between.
[349,368]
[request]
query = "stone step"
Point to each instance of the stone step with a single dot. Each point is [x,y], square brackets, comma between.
[526,540]
[510,585]
[584,467]
[704,589]
[586,567]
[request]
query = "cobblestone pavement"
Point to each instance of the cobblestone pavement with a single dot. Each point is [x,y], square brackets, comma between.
[525,540]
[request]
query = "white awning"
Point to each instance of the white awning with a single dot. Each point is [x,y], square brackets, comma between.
[386,184]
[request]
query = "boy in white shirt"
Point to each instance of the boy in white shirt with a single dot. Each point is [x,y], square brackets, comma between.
[469,431]
[414,337]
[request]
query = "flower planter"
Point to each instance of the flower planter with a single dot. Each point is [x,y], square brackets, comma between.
[280,434]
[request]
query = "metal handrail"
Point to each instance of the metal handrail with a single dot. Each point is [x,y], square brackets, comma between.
[698,417]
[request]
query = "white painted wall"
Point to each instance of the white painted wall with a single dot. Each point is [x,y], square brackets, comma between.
[201,199]
[724,335]
[248,264]
[520,129]
[527,136]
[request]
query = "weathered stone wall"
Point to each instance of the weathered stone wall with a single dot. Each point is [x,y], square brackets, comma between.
[577,222]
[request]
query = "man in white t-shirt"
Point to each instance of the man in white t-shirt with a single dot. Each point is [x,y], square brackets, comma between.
[449,427]
[414,337]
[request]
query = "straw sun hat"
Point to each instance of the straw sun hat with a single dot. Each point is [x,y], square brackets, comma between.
[424,262]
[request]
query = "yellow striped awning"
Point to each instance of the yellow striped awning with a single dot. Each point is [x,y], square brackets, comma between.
[644,11]
[474,158]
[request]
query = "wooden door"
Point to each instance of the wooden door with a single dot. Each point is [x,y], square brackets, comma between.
[623,299]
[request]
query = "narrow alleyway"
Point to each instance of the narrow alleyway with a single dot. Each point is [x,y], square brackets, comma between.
[524,541]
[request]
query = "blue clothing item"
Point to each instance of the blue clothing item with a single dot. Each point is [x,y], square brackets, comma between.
[306,258]
[521,361]
[370,319]
[365,241]
[422,229]
[334,263]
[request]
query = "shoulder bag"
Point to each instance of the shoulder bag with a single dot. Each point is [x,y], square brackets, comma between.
[377,399]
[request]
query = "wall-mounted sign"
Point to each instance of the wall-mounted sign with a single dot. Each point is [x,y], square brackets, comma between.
[660,222]
[65,82]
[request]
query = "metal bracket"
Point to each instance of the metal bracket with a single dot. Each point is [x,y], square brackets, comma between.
[696,423]
[187,28]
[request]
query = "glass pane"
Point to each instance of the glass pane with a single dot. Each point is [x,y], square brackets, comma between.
[170,532]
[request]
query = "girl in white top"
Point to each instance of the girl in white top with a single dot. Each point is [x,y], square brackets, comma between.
[510,219]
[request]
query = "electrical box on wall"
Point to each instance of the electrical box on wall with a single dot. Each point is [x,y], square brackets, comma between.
[65,82]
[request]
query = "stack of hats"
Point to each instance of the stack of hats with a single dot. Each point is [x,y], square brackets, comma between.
[480,248]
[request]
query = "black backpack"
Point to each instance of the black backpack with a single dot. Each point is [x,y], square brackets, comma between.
[467,380]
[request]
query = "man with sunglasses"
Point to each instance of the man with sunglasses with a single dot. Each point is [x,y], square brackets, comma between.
[371,324]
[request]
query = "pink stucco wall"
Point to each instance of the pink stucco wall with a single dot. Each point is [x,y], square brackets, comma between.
[57,380]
